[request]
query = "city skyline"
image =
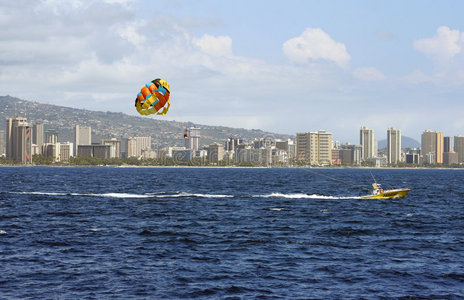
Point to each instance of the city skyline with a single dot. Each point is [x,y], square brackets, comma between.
[277,69]
[315,148]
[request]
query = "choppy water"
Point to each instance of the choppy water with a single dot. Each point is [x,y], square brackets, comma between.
[228,233]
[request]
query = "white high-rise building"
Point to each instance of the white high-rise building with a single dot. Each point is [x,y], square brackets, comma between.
[38,136]
[2,142]
[368,143]
[393,145]
[82,136]
[192,138]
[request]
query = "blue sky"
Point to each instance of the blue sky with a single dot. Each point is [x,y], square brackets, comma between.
[283,67]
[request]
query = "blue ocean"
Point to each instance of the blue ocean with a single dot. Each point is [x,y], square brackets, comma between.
[217,233]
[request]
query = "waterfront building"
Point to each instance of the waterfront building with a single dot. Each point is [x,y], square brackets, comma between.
[351,154]
[82,136]
[135,145]
[51,150]
[450,158]
[448,144]
[336,157]
[314,147]
[432,146]
[393,145]
[38,136]
[2,143]
[96,150]
[286,145]
[459,147]
[192,138]
[368,143]
[115,144]
[412,158]
[279,156]
[215,153]
[66,151]
[232,144]
[19,140]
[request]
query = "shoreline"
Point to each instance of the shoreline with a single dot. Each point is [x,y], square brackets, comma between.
[230,167]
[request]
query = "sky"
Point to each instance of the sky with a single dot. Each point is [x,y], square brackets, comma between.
[285,67]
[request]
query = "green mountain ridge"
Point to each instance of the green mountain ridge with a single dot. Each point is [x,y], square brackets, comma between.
[119,125]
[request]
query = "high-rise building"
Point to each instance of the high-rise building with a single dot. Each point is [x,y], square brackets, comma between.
[38,135]
[192,138]
[19,140]
[82,136]
[51,136]
[2,142]
[115,147]
[288,146]
[432,146]
[393,145]
[232,144]
[448,144]
[368,143]
[314,147]
[215,153]
[459,147]
[136,145]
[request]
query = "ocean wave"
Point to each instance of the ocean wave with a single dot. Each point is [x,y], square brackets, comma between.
[302,196]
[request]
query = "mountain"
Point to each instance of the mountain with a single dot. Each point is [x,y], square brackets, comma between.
[110,124]
[406,142]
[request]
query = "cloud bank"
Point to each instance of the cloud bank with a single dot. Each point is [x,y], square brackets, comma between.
[315,44]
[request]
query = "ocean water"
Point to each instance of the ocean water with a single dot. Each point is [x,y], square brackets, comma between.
[186,233]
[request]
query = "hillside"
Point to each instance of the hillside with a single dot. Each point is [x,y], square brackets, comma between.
[119,125]
[406,142]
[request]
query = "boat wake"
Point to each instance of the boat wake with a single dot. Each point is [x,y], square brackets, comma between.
[128,195]
[302,196]
[164,195]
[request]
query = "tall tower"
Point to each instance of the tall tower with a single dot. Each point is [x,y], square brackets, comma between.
[459,147]
[432,146]
[368,143]
[192,138]
[19,140]
[2,142]
[393,145]
[38,135]
[82,136]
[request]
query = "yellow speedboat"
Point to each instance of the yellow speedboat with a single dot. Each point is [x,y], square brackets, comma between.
[379,193]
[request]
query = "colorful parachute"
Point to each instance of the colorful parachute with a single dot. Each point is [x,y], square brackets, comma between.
[153,98]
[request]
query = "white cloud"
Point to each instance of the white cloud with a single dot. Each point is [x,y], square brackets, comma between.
[443,46]
[418,77]
[129,32]
[315,44]
[368,74]
[216,46]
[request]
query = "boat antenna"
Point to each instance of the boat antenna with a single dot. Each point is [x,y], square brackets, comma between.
[375,181]
[335,179]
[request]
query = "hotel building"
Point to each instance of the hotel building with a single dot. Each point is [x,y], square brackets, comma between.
[18,140]
[432,146]
[314,147]
[368,143]
[393,145]
[82,136]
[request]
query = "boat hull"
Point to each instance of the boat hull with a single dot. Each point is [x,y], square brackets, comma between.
[389,194]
